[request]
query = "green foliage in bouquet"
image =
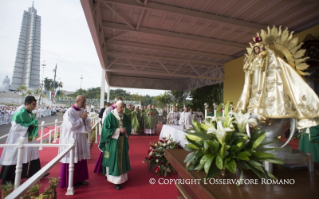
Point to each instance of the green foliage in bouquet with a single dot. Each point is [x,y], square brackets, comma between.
[222,142]
[156,160]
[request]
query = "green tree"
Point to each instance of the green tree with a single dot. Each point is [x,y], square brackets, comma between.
[90,93]
[207,94]
[48,84]
[119,92]
[22,90]
[164,99]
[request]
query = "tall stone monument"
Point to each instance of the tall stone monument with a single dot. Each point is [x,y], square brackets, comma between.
[27,65]
[6,84]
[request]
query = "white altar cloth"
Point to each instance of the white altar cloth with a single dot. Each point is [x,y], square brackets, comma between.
[176,133]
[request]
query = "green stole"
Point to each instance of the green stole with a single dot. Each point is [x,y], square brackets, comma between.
[23,118]
[115,151]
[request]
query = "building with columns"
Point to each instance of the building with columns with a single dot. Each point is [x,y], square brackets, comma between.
[27,65]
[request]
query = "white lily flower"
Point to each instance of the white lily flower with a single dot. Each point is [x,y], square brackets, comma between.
[228,121]
[220,132]
[151,153]
[241,120]
[210,117]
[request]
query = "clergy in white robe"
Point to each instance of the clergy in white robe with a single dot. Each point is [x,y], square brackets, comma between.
[24,124]
[109,109]
[176,116]
[75,125]
[185,117]
[199,116]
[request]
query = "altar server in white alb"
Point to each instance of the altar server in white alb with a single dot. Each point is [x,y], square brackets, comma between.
[176,115]
[75,125]
[24,124]
[199,115]
[185,117]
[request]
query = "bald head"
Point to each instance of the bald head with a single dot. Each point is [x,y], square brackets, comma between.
[80,101]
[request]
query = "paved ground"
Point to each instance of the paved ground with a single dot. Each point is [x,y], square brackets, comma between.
[4,129]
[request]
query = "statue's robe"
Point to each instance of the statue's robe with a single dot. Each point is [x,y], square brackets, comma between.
[276,90]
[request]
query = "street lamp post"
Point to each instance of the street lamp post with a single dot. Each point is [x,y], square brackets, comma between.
[81,82]
[43,71]
[42,85]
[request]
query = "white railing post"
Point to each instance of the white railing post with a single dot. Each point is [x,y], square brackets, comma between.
[41,140]
[96,129]
[19,163]
[50,137]
[56,131]
[70,190]
[100,129]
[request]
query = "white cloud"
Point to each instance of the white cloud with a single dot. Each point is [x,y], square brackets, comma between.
[65,41]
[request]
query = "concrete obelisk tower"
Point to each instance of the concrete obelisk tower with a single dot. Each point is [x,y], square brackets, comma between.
[27,65]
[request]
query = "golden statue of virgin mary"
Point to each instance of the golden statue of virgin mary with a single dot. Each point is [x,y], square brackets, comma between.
[273,85]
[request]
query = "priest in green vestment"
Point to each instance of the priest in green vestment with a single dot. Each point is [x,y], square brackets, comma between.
[309,142]
[136,120]
[155,115]
[127,111]
[114,144]
[149,121]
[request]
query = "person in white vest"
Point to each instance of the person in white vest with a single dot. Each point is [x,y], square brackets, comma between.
[185,117]
[75,125]
[24,124]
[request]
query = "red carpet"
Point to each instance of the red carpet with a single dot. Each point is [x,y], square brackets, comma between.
[137,186]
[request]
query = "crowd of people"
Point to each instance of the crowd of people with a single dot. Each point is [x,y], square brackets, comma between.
[7,112]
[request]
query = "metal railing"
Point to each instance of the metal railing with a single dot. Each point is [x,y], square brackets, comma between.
[20,190]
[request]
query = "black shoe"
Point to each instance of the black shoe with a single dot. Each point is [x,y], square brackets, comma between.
[117,186]
[76,185]
[45,175]
[84,182]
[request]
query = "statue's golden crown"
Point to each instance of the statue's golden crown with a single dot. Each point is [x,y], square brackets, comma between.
[277,39]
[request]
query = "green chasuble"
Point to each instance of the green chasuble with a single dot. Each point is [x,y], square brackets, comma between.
[309,143]
[23,118]
[127,112]
[135,120]
[211,114]
[155,117]
[148,119]
[115,151]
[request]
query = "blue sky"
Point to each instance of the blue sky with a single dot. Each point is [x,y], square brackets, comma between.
[65,41]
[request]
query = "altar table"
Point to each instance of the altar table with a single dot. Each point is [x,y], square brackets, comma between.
[306,184]
[175,132]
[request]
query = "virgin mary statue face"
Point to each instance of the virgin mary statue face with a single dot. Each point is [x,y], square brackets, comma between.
[257,50]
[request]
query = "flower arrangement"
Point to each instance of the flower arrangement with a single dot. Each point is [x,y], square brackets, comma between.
[221,143]
[156,160]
